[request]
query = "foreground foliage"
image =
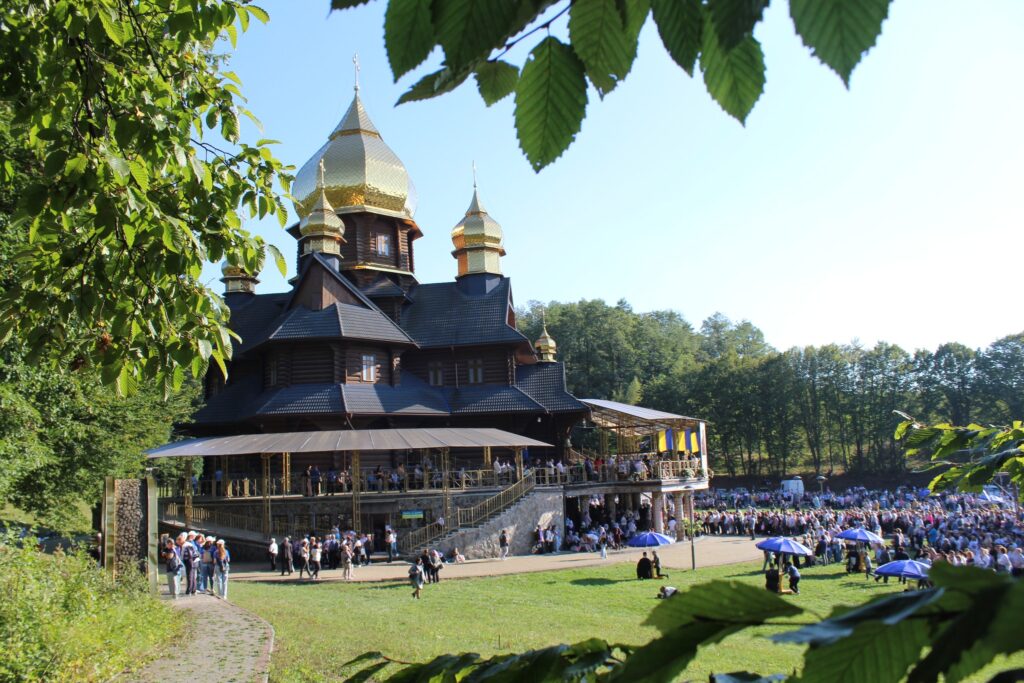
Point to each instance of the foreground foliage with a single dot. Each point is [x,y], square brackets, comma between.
[715,37]
[121,184]
[953,629]
[62,619]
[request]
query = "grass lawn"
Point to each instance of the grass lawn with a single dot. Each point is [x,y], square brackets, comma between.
[321,626]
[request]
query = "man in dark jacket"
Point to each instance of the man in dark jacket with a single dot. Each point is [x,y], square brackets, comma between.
[644,568]
[287,558]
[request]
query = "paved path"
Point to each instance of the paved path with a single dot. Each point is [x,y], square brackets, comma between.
[232,644]
[710,551]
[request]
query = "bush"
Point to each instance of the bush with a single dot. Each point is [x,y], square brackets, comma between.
[62,619]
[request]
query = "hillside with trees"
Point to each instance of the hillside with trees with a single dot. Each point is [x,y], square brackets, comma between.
[772,412]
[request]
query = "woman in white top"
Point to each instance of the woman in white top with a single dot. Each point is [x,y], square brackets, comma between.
[314,559]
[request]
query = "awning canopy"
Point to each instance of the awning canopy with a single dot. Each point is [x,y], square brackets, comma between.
[634,420]
[344,440]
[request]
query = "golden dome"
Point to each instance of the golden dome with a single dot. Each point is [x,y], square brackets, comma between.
[546,346]
[478,240]
[237,280]
[361,172]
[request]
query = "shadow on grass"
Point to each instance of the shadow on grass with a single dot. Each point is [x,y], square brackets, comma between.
[599,581]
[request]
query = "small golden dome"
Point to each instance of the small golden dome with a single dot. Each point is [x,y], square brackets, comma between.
[362,173]
[478,240]
[237,280]
[546,346]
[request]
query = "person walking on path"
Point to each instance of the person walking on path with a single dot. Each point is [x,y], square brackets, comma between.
[172,563]
[190,560]
[272,552]
[304,559]
[416,577]
[315,552]
[503,544]
[346,561]
[602,543]
[389,541]
[221,566]
[206,566]
[287,557]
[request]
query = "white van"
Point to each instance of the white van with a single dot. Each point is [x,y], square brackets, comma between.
[793,486]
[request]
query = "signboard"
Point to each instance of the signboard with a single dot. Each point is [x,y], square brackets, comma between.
[412,514]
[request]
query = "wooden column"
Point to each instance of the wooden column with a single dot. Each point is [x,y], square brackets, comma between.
[357,485]
[188,493]
[519,464]
[680,519]
[658,512]
[487,456]
[265,488]
[446,491]
[286,473]
[227,476]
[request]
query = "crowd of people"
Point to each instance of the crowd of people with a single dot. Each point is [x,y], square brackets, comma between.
[195,563]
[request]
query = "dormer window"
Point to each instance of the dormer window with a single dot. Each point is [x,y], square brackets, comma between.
[435,373]
[369,373]
[382,245]
[475,371]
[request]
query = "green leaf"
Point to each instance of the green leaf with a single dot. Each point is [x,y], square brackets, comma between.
[111,25]
[839,32]
[140,173]
[496,81]
[872,652]
[260,13]
[1001,634]
[679,24]
[889,610]
[661,660]
[205,348]
[346,4]
[469,29]
[126,384]
[279,260]
[725,601]
[734,78]
[118,165]
[434,84]
[551,101]
[734,20]
[599,38]
[408,34]
[746,677]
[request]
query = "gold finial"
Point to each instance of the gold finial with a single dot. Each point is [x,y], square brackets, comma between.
[545,345]
[474,175]
[355,63]
[320,181]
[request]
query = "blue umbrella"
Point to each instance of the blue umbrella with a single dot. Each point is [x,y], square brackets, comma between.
[910,569]
[861,536]
[780,544]
[647,539]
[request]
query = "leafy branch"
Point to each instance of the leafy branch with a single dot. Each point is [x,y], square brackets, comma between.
[715,35]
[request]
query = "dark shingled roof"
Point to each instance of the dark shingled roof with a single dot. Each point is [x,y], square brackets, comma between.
[234,402]
[345,321]
[412,397]
[442,315]
[383,287]
[545,383]
[302,398]
[489,398]
[251,315]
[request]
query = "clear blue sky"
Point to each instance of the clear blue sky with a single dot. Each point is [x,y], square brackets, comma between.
[892,211]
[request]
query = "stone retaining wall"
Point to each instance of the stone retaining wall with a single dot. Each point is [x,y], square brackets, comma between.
[520,521]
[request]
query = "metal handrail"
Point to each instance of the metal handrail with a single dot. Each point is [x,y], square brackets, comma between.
[471,516]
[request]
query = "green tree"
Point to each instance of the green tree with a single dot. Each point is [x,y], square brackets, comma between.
[1001,379]
[133,176]
[715,37]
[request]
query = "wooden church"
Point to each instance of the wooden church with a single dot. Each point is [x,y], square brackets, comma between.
[358,342]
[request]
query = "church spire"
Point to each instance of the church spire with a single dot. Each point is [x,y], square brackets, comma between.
[545,345]
[478,239]
[321,229]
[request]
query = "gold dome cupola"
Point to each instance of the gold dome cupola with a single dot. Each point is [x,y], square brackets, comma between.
[362,174]
[545,345]
[321,230]
[478,240]
[237,280]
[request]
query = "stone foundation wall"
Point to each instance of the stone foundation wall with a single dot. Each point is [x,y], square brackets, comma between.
[520,521]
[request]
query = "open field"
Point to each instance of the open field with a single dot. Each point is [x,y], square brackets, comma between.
[319,627]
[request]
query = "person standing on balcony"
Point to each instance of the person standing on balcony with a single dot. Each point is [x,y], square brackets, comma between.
[314,479]
[307,481]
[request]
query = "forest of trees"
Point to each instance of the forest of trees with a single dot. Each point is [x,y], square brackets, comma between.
[827,409]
